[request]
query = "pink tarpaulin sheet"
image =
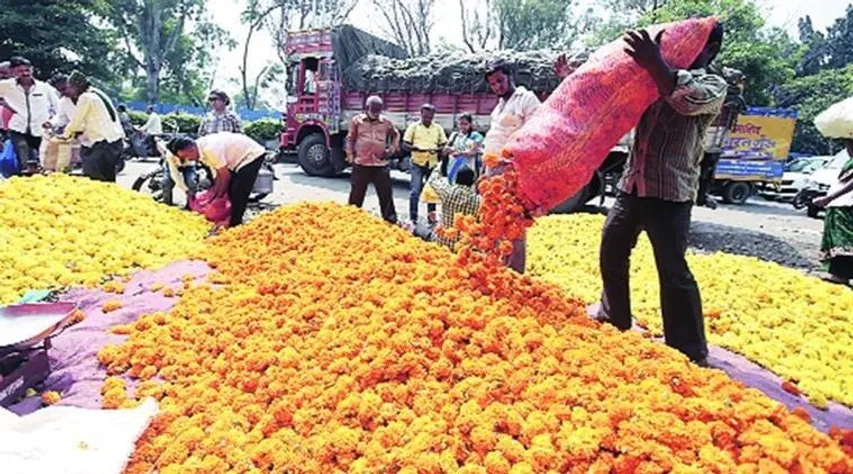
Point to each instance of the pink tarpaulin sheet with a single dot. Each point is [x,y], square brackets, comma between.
[75,372]
[77,375]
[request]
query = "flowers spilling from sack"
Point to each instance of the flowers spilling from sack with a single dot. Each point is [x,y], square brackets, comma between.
[795,325]
[335,342]
[58,231]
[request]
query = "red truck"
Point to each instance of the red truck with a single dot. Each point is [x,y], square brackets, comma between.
[321,104]
[333,71]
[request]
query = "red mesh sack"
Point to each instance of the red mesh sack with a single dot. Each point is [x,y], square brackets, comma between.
[217,211]
[557,151]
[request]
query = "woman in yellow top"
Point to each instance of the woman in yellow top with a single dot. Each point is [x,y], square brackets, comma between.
[234,158]
[424,139]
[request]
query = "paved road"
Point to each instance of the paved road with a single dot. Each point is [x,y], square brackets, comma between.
[774,231]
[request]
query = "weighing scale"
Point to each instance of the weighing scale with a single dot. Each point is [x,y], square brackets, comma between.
[25,334]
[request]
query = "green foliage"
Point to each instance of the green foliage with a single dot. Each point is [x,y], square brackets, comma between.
[263,129]
[535,24]
[812,95]
[50,34]
[830,50]
[170,41]
[766,56]
[137,118]
[187,124]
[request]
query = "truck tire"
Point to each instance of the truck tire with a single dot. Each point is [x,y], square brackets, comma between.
[736,192]
[314,156]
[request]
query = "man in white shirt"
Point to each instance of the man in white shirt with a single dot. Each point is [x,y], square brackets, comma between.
[97,119]
[516,104]
[234,158]
[154,126]
[32,102]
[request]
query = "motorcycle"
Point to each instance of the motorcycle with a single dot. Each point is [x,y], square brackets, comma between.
[805,198]
[152,182]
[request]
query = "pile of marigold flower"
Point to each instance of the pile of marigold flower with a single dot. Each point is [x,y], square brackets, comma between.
[328,341]
[795,325]
[57,231]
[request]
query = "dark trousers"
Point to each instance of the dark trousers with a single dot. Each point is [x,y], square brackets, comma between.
[420,175]
[842,266]
[380,176]
[240,187]
[101,159]
[667,225]
[708,167]
[26,147]
[190,179]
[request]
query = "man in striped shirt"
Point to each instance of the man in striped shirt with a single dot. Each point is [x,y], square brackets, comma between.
[658,189]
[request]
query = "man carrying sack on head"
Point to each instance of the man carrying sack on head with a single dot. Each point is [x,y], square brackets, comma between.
[98,123]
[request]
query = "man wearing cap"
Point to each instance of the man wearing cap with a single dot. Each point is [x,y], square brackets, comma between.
[96,122]
[32,103]
[424,139]
[220,119]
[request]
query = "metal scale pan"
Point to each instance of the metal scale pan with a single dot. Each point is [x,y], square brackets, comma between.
[25,332]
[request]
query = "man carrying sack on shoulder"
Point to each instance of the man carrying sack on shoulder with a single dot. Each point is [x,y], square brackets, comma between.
[658,190]
[97,123]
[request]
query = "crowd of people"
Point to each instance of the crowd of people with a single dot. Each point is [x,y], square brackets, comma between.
[72,108]
[656,194]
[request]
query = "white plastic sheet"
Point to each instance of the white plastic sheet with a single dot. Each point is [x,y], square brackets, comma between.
[837,120]
[72,440]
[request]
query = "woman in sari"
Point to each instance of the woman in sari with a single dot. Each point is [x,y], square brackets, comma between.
[464,148]
[837,245]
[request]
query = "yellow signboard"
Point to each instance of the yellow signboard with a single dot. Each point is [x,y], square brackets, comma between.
[762,134]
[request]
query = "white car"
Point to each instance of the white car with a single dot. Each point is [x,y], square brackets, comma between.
[823,178]
[795,177]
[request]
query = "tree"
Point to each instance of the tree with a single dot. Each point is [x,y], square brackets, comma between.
[408,23]
[522,24]
[765,55]
[832,50]
[280,16]
[622,15]
[153,29]
[534,24]
[48,33]
[811,95]
[477,24]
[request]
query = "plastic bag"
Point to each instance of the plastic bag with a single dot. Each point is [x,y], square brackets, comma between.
[217,210]
[72,440]
[49,154]
[559,148]
[837,120]
[8,160]
[429,196]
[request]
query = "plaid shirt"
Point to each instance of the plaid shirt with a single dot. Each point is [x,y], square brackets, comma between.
[670,139]
[215,123]
[455,199]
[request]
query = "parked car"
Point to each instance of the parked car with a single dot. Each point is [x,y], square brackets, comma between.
[796,173]
[819,182]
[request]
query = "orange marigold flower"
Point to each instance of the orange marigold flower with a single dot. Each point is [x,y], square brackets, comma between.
[50,397]
[111,305]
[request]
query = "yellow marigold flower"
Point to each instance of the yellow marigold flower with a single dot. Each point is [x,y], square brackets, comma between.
[111,305]
[50,397]
[61,231]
